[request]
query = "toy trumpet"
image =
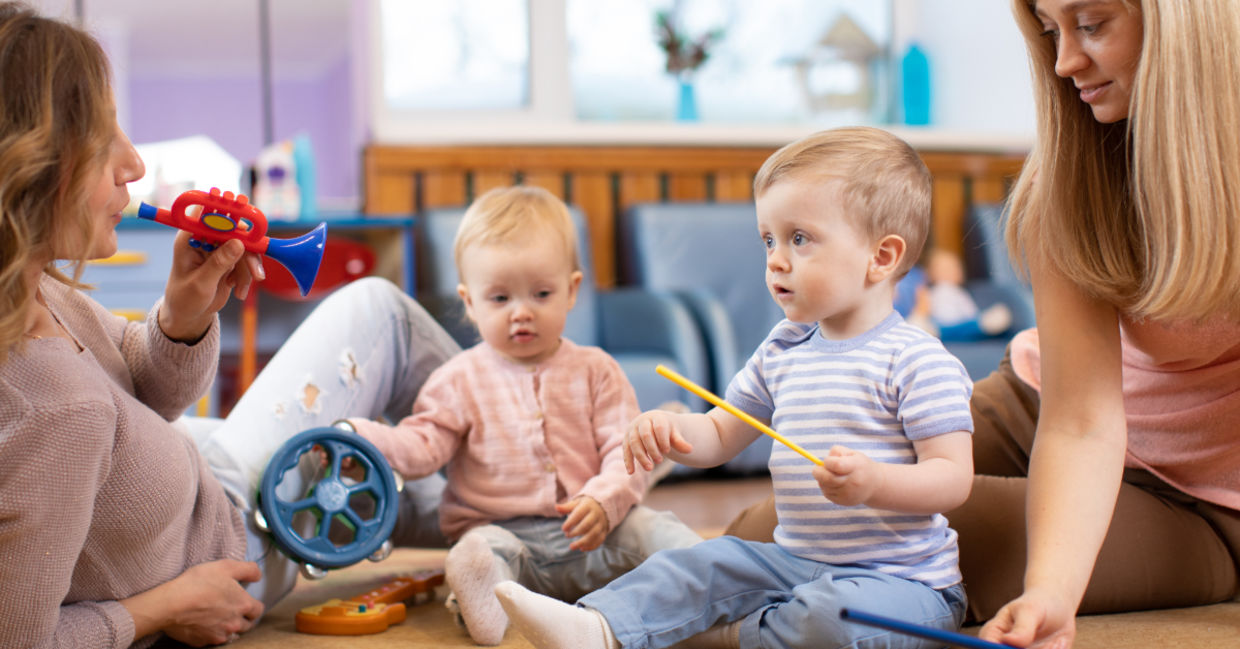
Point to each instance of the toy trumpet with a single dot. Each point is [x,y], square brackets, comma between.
[228,216]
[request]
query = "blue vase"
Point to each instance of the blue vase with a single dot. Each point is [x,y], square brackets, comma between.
[915,86]
[686,109]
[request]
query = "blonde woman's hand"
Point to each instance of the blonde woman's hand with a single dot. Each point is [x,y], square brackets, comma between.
[1036,619]
[586,521]
[200,283]
[650,437]
[848,477]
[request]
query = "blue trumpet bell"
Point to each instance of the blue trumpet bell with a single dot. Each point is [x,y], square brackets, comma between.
[301,255]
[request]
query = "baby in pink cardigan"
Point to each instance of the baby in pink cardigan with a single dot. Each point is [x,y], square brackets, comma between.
[528,424]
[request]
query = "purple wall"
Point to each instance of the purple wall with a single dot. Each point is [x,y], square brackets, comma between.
[229,111]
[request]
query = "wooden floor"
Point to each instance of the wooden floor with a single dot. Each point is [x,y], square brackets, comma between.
[705,505]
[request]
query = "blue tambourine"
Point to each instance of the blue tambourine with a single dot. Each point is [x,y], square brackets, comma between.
[340,519]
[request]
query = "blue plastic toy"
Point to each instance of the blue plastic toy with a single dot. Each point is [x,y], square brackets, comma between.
[340,519]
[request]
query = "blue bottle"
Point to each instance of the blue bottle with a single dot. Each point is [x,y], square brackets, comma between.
[915,86]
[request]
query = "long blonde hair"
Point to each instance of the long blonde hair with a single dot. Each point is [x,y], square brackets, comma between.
[56,125]
[1143,213]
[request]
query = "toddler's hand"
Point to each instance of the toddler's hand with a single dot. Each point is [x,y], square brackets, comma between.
[649,437]
[847,477]
[586,519]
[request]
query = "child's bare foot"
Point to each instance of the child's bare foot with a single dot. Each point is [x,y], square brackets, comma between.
[472,572]
[549,623]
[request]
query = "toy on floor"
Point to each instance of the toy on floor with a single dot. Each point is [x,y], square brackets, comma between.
[371,612]
[944,308]
[685,383]
[344,517]
[231,216]
[917,630]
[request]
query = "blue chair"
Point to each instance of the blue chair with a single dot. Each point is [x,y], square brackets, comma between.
[638,328]
[710,257]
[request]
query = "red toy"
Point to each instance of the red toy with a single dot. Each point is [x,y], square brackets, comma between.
[370,612]
[231,216]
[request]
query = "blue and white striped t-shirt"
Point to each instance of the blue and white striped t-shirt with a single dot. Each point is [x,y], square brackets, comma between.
[875,393]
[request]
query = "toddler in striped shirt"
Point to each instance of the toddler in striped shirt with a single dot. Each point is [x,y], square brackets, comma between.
[528,425]
[843,214]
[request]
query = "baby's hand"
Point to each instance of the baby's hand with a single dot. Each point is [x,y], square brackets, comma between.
[649,437]
[587,520]
[848,477]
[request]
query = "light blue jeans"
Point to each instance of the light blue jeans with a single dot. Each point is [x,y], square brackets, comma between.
[537,554]
[782,600]
[364,351]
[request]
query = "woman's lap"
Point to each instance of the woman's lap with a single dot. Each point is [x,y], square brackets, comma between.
[1163,549]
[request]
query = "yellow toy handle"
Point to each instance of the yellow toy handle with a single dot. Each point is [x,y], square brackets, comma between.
[676,378]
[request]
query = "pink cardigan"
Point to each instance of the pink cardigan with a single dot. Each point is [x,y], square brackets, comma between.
[1182,398]
[517,439]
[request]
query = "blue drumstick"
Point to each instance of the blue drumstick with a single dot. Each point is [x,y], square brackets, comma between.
[930,633]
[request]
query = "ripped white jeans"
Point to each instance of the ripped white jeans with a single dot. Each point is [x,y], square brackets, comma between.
[363,352]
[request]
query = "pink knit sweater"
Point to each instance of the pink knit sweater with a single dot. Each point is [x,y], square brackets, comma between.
[100,497]
[517,439]
[1182,399]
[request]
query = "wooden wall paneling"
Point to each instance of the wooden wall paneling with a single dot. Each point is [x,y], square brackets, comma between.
[988,190]
[390,193]
[947,213]
[592,194]
[639,187]
[444,188]
[552,181]
[604,179]
[688,186]
[487,179]
[734,186]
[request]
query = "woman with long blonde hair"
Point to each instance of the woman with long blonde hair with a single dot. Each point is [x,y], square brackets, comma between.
[1105,444]
[1111,433]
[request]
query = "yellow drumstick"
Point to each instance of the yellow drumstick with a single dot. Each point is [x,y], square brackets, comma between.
[714,400]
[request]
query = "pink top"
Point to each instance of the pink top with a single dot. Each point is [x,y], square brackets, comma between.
[517,439]
[1182,397]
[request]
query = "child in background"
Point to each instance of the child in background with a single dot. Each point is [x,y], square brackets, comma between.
[944,307]
[529,425]
[843,215]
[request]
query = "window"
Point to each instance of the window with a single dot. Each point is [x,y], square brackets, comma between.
[778,61]
[463,55]
[598,61]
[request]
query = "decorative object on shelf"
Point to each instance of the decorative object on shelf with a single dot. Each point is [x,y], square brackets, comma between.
[840,72]
[685,54]
[915,86]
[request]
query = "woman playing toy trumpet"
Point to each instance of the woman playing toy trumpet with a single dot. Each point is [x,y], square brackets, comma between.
[114,526]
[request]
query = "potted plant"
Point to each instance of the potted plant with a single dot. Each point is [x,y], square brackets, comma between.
[685,54]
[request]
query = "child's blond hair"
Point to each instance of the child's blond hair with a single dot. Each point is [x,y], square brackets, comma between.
[505,214]
[885,184]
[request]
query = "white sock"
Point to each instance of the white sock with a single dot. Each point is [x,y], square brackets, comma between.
[549,623]
[472,572]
